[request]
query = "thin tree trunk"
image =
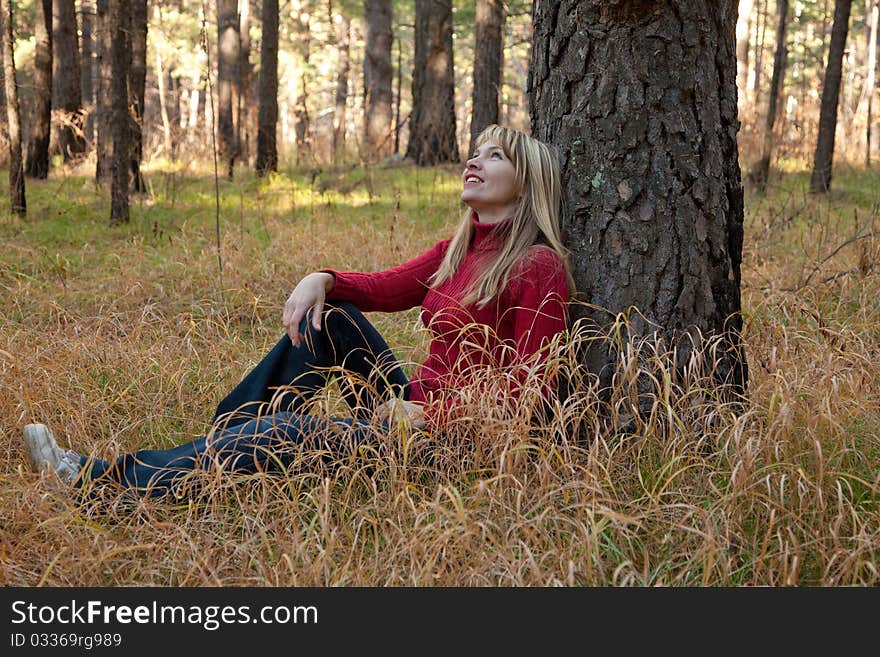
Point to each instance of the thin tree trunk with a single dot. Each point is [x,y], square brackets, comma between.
[246,96]
[432,135]
[761,30]
[161,81]
[760,172]
[37,164]
[120,53]
[397,96]
[820,180]
[343,38]
[66,79]
[301,121]
[870,82]
[137,86]
[488,58]
[642,111]
[743,38]
[229,79]
[267,121]
[103,105]
[88,67]
[18,202]
[378,74]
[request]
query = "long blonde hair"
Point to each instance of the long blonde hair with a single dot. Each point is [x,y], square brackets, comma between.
[535,220]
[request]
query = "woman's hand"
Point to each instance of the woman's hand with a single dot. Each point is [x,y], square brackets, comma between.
[310,292]
[395,411]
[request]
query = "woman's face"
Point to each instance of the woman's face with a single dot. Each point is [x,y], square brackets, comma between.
[489,183]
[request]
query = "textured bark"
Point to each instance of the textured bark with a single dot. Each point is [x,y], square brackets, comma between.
[432,138]
[88,66]
[120,54]
[820,180]
[65,79]
[488,58]
[37,164]
[103,106]
[13,119]
[343,32]
[267,121]
[137,86]
[761,171]
[229,80]
[378,74]
[639,98]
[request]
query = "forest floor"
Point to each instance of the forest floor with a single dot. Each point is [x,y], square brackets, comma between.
[127,337]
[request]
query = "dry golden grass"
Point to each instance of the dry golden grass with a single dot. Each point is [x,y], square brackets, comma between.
[121,339]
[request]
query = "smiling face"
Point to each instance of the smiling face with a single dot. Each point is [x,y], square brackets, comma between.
[490,187]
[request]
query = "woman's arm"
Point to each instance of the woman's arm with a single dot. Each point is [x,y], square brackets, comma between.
[398,288]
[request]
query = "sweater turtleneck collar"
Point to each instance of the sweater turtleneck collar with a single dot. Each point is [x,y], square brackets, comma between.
[485,235]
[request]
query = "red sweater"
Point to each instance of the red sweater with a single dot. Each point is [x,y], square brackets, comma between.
[527,314]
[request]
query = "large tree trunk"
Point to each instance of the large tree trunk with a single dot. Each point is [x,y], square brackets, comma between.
[432,137]
[488,56]
[301,120]
[37,164]
[761,171]
[88,69]
[137,86]
[65,79]
[120,53]
[13,120]
[103,106]
[378,74]
[820,180]
[267,121]
[343,34]
[229,79]
[642,109]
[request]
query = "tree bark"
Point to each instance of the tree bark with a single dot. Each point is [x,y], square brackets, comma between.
[761,32]
[820,180]
[267,120]
[66,79]
[761,171]
[37,164]
[432,137]
[137,86]
[488,58]
[120,53]
[378,74]
[229,80]
[13,119]
[343,40]
[639,98]
[103,105]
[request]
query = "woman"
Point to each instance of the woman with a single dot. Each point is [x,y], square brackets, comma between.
[492,296]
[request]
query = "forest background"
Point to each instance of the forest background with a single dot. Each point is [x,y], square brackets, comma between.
[125,336]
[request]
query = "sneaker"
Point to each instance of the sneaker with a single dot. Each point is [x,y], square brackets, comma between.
[45,454]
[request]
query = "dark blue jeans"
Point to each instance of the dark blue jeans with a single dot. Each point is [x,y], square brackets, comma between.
[258,426]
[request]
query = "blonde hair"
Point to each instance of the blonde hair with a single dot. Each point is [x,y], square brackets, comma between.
[535,220]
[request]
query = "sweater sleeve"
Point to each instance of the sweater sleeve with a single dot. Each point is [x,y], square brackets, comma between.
[399,288]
